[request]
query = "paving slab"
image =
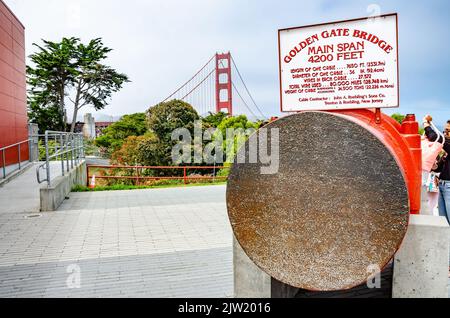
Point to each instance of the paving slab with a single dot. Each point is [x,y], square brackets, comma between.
[21,195]
[144,243]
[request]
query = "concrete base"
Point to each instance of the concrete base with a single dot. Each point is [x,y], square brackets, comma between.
[420,269]
[249,280]
[421,265]
[429,202]
[52,197]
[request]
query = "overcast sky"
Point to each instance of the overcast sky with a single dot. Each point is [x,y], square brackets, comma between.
[160,44]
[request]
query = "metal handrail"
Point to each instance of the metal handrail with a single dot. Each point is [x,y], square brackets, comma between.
[15,145]
[70,151]
[3,151]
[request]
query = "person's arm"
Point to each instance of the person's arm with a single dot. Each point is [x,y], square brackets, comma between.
[447,146]
[431,134]
[440,166]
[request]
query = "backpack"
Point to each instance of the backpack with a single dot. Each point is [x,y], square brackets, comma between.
[431,150]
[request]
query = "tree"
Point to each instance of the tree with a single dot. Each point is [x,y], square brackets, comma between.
[140,150]
[241,127]
[71,70]
[114,136]
[45,114]
[55,70]
[164,118]
[398,117]
[238,122]
[214,120]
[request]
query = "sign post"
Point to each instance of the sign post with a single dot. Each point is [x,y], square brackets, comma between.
[342,65]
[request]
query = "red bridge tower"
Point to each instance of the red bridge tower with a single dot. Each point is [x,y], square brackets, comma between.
[224,86]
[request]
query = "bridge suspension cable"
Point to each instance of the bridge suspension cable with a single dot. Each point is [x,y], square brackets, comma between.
[204,89]
[189,81]
[246,88]
[240,96]
[198,85]
[243,101]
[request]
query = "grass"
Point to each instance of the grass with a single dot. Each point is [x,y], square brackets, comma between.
[122,187]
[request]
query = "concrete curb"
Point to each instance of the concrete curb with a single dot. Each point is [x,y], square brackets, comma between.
[52,197]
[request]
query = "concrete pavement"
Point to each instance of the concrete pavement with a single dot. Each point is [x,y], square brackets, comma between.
[146,243]
[21,195]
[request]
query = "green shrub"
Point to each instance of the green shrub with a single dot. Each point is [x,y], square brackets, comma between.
[157,185]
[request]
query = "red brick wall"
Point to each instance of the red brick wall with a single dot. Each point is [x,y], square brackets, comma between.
[13,111]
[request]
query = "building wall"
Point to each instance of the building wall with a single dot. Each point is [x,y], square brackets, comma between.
[13,108]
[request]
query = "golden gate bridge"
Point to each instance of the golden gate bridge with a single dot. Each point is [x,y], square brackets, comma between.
[213,89]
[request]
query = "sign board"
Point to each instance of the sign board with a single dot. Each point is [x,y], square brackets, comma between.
[341,65]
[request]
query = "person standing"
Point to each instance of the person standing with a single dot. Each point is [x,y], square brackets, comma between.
[444,179]
[432,145]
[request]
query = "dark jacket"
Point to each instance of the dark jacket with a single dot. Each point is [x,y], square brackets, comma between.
[444,163]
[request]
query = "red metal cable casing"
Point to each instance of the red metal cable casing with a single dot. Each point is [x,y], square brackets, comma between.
[402,140]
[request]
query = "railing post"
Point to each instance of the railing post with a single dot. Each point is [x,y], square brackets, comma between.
[67,152]
[77,150]
[87,175]
[81,146]
[62,155]
[72,148]
[29,148]
[4,163]
[56,145]
[138,174]
[20,161]
[47,156]
[185,175]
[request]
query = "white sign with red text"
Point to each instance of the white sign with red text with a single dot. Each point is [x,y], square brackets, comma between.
[342,65]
